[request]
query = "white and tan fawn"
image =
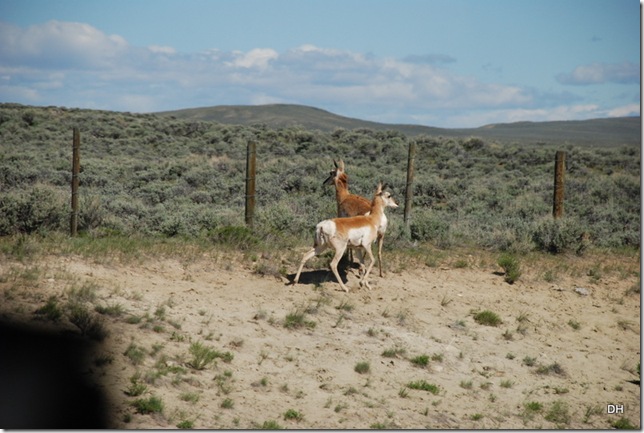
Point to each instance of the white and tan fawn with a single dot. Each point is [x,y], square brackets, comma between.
[352,232]
[350,205]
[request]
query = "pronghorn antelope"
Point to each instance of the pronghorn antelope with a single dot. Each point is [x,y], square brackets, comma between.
[353,232]
[350,205]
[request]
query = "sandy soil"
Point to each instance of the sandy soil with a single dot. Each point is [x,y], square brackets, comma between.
[485,375]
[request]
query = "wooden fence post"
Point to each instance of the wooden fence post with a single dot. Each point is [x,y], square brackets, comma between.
[410,180]
[560,168]
[250,183]
[75,181]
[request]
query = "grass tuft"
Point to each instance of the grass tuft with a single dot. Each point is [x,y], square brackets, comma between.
[362,367]
[424,386]
[420,360]
[487,318]
[148,405]
[297,319]
[511,266]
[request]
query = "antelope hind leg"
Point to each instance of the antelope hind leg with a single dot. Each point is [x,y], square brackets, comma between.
[334,267]
[312,252]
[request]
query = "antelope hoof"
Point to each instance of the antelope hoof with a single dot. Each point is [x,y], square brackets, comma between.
[366,284]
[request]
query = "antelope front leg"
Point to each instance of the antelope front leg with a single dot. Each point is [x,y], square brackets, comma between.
[380,239]
[366,274]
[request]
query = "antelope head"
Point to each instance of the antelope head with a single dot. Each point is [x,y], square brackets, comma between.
[335,173]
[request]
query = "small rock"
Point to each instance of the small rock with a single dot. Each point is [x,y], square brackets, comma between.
[582,291]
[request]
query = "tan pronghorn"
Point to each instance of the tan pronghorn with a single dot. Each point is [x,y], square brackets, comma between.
[350,205]
[353,232]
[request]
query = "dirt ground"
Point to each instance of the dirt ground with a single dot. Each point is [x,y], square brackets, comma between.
[564,356]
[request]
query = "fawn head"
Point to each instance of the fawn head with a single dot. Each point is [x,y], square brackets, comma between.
[385,196]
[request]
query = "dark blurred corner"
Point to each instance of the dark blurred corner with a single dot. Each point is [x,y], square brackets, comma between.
[45,382]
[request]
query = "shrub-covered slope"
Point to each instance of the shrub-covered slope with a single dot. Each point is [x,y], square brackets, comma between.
[154,175]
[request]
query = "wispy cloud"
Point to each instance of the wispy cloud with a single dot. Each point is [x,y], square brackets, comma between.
[432,59]
[562,112]
[60,45]
[600,73]
[258,58]
[75,64]
[304,72]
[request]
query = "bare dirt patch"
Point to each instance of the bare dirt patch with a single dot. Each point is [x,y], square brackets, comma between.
[288,355]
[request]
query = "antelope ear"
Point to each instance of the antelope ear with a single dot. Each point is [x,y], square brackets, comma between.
[341,165]
[379,188]
[335,163]
[385,186]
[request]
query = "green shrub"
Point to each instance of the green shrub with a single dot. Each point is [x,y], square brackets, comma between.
[201,356]
[533,406]
[297,319]
[51,310]
[148,405]
[421,360]
[293,414]
[149,175]
[424,386]
[623,424]
[554,368]
[235,236]
[89,324]
[135,353]
[511,266]
[362,367]
[185,424]
[430,227]
[558,413]
[136,388]
[271,425]
[40,209]
[487,318]
[560,235]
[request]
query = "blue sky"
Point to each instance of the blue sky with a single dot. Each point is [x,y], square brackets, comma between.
[446,63]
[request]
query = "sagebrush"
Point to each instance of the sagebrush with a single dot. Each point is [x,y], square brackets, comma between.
[144,174]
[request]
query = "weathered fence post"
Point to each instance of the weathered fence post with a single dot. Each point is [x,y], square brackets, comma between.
[560,168]
[75,181]
[250,183]
[410,180]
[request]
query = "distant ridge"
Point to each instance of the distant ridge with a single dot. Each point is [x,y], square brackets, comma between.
[596,132]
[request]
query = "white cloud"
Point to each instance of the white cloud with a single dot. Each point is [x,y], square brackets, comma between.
[257,58]
[600,73]
[626,110]
[137,103]
[59,45]
[74,64]
[162,49]
[486,117]
[22,94]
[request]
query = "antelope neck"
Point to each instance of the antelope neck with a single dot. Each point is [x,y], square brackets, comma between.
[341,188]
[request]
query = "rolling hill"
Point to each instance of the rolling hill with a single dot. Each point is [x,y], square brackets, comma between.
[596,132]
